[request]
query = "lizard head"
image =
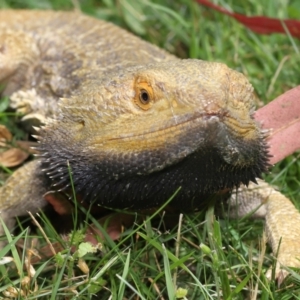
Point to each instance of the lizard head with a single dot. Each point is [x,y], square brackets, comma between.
[188,121]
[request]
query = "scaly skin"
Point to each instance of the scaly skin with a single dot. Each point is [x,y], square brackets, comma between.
[133,121]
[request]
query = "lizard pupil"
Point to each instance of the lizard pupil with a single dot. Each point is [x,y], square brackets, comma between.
[144,97]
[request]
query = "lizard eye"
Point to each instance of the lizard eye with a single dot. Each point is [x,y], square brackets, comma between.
[144,96]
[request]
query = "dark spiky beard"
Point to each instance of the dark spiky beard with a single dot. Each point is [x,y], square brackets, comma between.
[200,175]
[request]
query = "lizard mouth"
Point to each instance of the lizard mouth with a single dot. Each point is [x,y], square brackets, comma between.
[182,136]
[176,122]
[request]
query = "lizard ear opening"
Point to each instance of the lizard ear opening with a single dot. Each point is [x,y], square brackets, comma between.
[144,95]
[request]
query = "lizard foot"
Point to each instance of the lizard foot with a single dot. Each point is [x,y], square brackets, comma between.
[29,104]
[282,223]
[26,102]
[286,258]
[283,232]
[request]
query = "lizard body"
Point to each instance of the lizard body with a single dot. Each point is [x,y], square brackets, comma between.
[133,121]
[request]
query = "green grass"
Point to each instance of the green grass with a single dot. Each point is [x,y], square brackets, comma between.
[207,257]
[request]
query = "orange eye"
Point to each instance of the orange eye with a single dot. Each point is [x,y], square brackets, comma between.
[143,95]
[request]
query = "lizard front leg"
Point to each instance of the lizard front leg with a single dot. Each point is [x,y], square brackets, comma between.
[24,78]
[282,221]
[22,192]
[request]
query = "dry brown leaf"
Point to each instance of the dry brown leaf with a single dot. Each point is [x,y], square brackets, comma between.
[5,135]
[59,203]
[113,224]
[13,155]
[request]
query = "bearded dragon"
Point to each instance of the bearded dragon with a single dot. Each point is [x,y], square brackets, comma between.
[134,123]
